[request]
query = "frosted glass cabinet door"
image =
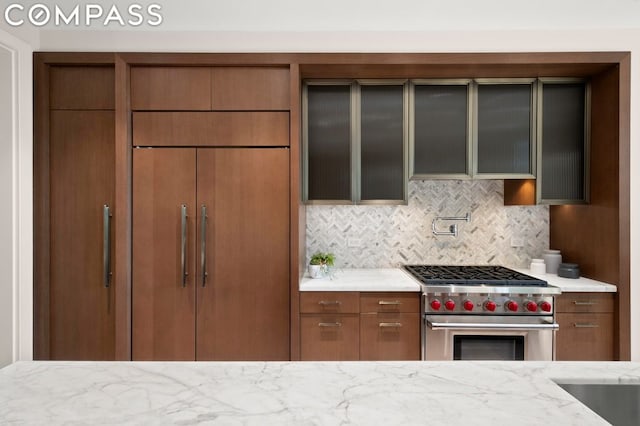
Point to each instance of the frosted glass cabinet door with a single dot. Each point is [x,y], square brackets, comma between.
[440,130]
[382,142]
[504,130]
[563,140]
[329,142]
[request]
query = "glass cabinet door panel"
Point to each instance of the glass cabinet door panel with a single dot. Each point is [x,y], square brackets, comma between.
[382,142]
[504,129]
[440,129]
[563,142]
[329,142]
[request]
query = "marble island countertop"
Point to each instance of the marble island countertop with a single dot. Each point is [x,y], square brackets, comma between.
[397,279]
[302,393]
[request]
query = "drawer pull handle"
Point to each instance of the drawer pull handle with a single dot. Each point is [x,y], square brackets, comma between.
[390,324]
[585,325]
[578,303]
[389,302]
[329,324]
[329,303]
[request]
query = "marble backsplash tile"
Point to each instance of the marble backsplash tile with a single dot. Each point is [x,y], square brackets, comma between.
[390,236]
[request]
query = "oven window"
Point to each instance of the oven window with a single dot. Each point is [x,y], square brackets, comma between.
[489,348]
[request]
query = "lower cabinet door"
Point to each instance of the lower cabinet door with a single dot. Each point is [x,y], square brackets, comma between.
[585,337]
[329,337]
[390,336]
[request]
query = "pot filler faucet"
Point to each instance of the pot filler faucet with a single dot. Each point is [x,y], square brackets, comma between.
[453,229]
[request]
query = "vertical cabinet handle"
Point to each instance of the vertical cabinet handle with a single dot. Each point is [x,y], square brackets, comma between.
[203,244]
[106,246]
[183,245]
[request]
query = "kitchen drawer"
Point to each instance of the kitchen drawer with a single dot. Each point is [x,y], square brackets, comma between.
[390,336]
[329,337]
[329,302]
[264,128]
[585,302]
[389,302]
[585,337]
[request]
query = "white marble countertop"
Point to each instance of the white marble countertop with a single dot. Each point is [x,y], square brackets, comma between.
[302,393]
[572,285]
[392,279]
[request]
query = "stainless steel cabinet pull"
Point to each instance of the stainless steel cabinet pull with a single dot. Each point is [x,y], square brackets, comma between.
[392,302]
[106,245]
[577,303]
[390,324]
[328,302]
[329,324]
[183,245]
[585,325]
[203,244]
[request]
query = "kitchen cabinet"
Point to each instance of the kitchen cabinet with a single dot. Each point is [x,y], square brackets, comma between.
[440,129]
[586,327]
[505,129]
[359,326]
[73,301]
[175,88]
[562,142]
[355,137]
[210,254]
[389,326]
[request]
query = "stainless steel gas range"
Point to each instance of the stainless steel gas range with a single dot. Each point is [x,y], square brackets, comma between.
[485,313]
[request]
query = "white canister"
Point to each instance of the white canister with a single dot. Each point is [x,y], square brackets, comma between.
[537,266]
[553,259]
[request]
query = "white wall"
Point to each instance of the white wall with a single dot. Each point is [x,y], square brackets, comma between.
[16,236]
[6,208]
[363,26]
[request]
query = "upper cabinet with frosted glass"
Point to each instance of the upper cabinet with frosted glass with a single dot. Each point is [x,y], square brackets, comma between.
[355,138]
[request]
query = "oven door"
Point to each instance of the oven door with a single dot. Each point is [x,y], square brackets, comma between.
[514,338]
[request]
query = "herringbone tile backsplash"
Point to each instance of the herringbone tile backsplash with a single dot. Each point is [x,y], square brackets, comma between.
[390,236]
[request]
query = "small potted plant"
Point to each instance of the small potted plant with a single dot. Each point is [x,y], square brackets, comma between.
[319,264]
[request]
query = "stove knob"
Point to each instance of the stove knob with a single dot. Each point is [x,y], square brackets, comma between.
[490,305]
[545,306]
[512,306]
[468,305]
[450,305]
[532,306]
[436,305]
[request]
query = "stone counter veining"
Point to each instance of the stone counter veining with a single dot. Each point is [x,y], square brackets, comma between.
[301,393]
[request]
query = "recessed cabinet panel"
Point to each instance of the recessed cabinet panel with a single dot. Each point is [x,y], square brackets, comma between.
[440,130]
[504,129]
[329,142]
[563,142]
[170,88]
[382,139]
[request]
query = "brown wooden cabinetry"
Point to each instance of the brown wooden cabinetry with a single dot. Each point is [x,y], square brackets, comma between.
[367,326]
[75,317]
[205,220]
[586,327]
[210,88]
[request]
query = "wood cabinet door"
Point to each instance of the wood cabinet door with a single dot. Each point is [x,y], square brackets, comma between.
[250,88]
[164,179]
[390,336]
[326,337]
[81,306]
[171,88]
[585,337]
[243,304]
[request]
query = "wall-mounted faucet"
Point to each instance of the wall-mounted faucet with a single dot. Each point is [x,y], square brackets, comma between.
[453,229]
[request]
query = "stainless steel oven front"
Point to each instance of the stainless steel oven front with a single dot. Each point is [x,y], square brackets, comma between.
[490,337]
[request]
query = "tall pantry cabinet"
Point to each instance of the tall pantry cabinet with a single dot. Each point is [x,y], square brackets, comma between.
[210,217]
[74,200]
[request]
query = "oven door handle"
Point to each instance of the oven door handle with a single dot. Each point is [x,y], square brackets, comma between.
[477,326]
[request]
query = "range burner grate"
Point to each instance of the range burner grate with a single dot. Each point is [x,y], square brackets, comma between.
[472,275]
